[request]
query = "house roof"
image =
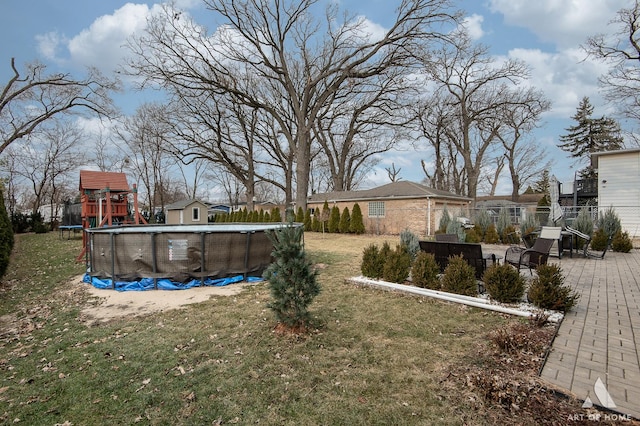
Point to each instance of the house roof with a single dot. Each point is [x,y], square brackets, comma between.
[93,180]
[179,205]
[596,155]
[393,190]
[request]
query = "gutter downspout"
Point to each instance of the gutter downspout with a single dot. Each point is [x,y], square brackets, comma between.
[428,215]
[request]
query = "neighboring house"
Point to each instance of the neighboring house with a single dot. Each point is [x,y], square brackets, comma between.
[392,208]
[619,186]
[187,212]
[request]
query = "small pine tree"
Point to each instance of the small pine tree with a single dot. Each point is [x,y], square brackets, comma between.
[621,242]
[547,290]
[316,224]
[345,221]
[410,242]
[372,264]
[357,224]
[261,216]
[325,215]
[504,221]
[444,220]
[425,271]
[491,237]
[276,216]
[481,222]
[292,278]
[6,235]
[584,224]
[307,221]
[460,277]
[397,265]
[300,215]
[334,220]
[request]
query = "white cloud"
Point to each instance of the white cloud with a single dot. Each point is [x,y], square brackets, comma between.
[48,44]
[565,77]
[565,23]
[473,24]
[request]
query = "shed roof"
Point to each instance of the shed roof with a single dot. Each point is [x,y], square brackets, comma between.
[93,180]
[393,190]
[179,205]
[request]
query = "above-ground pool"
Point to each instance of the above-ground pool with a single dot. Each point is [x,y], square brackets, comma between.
[180,253]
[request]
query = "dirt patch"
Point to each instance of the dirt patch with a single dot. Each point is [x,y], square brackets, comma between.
[106,305]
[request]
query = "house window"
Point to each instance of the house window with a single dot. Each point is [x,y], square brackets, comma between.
[376,209]
[195,214]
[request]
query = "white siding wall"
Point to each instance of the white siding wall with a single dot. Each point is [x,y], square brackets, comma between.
[619,186]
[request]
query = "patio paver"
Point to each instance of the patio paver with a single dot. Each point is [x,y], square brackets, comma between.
[600,337]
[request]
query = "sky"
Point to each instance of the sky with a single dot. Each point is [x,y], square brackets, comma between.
[68,35]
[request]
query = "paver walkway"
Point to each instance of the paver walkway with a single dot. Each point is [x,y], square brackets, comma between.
[600,337]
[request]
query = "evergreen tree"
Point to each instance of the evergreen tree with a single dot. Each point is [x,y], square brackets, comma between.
[300,215]
[590,134]
[275,215]
[6,235]
[325,215]
[357,224]
[542,187]
[334,219]
[307,221]
[292,278]
[345,221]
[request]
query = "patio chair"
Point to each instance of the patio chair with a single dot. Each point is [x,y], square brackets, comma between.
[530,258]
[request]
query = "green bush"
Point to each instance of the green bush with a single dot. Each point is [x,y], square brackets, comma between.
[6,236]
[584,224]
[548,291]
[308,223]
[444,220]
[621,242]
[459,277]
[599,240]
[357,225]
[455,227]
[528,225]
[508,235]
[397,265]
[473,235]
[372,264]
[609,222]
[334,220]
[345,221]
[504,221]
[425,271]
[504,283]
[492,236]
[410,241]
[482,221]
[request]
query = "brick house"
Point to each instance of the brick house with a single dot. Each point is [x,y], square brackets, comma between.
[391,208]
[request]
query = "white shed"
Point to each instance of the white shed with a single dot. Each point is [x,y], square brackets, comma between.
[619,186]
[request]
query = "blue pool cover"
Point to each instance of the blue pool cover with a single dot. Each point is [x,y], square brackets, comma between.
[163,283]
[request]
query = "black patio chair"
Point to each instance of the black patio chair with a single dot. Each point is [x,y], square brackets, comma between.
[530,258]
[449,238]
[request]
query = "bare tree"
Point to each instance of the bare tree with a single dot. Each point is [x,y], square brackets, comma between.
[45,159]
[477,89]
[525,159]
[31,98]
[278,58]
[622,50]
[145,135]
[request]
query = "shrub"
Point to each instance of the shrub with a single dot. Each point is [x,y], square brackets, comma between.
[482,221]
[459,277]
[504,283]
[396,265]
[548,291]
[308,223]
[6,236]
[528,225]
[508,235]
[357,225]
[334,220]
[584,224]
[621,242]
[410,241]
[609,222]
[292,278]
[599,240]
[345,220]
[504,220]
[444,220]
[473,236]
[455,227]
[372,264]
[491,237]
[425,271]
[300,215]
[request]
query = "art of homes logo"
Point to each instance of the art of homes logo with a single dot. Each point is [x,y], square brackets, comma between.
[602,395]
